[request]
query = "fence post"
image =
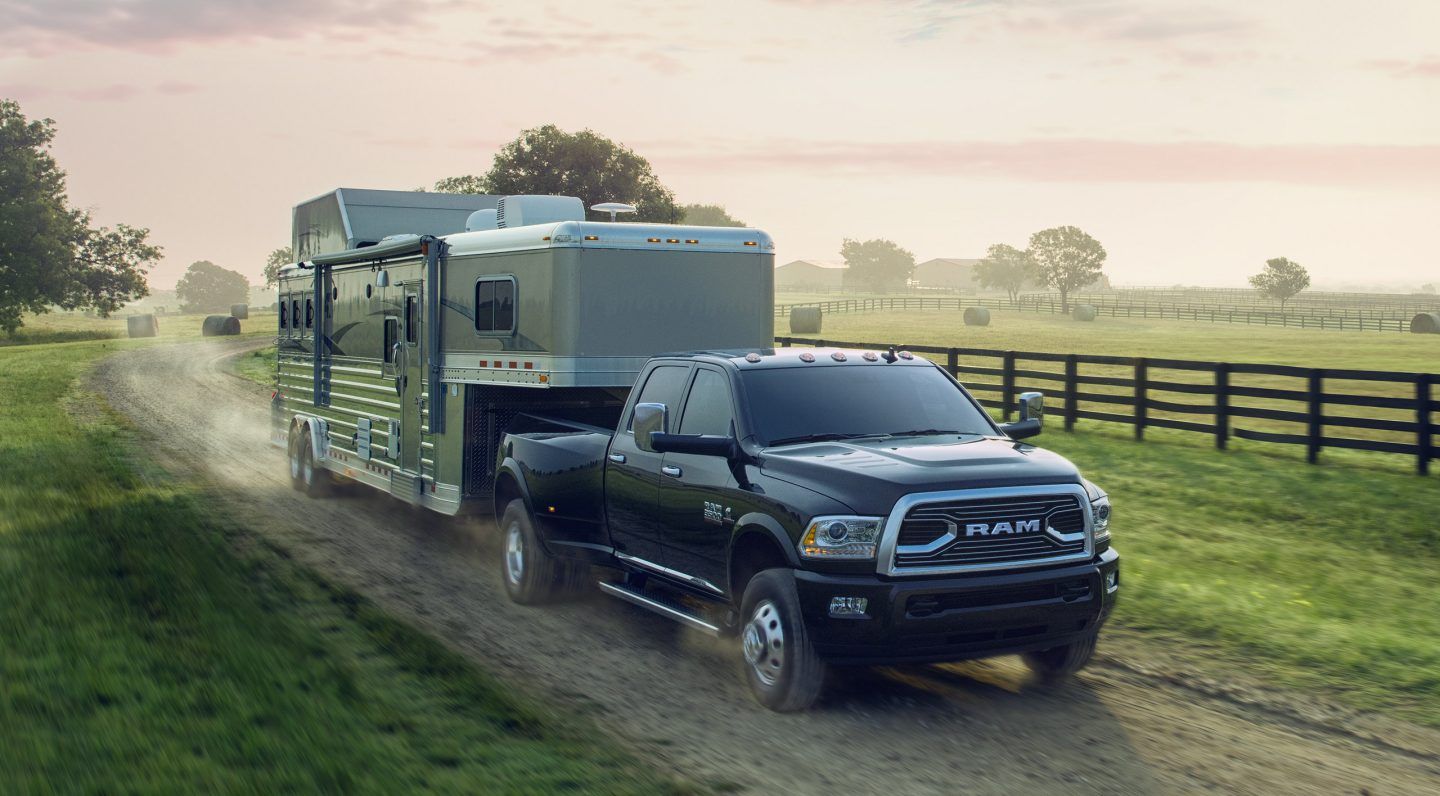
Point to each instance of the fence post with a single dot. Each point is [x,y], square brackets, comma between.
[1315,435]
[1142,372]
[1423,443]
[1072,384]
[1222,404]
[952,362]
[1007,383]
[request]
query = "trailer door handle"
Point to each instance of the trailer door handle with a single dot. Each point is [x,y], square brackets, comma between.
[618,458]
[671,470]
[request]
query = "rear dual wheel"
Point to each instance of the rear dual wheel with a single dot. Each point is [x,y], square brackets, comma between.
[531,575]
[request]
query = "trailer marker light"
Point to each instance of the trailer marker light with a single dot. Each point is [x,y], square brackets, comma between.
[484,363]
[547,237]
[512,364]
[544,379]
[529,365]
[652,240]
[807,357]
[752,357]
[550,509]
[871,356]
[752,243]
[838,356]
[692,240]
[592,237]
[672,240]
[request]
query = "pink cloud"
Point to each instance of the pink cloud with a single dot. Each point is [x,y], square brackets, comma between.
[1085,161]
[1420,67]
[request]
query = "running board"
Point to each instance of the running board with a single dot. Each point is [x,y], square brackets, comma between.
[660,606]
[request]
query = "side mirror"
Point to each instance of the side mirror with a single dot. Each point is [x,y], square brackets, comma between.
[698,444]
[1032,417]
[649,419]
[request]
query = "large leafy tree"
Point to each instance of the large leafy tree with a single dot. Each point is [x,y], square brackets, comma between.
[878,265]
[1066,259]
[708,216]
[548,160]
[278,259]
[206,287]
[1005,268]
[1281,279]
[50,256]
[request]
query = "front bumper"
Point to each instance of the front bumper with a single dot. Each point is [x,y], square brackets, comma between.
[958,616]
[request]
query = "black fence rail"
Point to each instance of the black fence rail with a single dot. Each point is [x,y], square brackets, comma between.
[1398,302]
[1326,320]
[1313,407]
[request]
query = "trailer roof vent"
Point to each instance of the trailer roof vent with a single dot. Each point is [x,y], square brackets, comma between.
[482,220]
[525,211]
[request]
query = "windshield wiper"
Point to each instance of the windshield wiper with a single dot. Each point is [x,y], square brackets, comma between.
[921,432]
[818,438]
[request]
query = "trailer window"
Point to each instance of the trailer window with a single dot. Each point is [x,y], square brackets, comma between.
[295,313]
[495,305]
[412,324]
[309,313]
[284,315]
[392,329]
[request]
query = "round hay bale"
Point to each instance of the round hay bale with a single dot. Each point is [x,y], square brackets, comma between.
[142,325]
[804,320]
[214,325]
[1085,312]
[1426,323]
[977,316]
[241,311]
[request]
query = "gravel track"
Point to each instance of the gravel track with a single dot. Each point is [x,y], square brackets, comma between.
[1133,723]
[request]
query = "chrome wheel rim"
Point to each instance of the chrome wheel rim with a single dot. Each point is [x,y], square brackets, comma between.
[514,554]
[763,642]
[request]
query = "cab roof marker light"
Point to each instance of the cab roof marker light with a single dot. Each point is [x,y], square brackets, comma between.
[838,356]
[870,356]
[905,355]
[752,357]
[807,357]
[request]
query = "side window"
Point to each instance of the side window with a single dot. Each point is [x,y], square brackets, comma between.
[495,305]
[707,410]
[412,325]
[295,313]
[284,313]
[392,328]
[309,313]
[663,386]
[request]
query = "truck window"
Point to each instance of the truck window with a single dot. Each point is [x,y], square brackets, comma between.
[495,305]
[392,328]
[707,410]
[663,386]
[412,325]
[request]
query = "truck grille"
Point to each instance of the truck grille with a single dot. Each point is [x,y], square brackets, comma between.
[991,531]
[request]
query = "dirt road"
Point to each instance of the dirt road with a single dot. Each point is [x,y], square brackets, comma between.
[1133,723]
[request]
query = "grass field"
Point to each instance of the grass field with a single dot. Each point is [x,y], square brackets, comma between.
[62,327]
[149,645]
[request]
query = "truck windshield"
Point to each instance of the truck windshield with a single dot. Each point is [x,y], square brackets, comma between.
[807,404]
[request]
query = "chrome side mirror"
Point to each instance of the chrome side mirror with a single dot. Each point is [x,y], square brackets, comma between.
[1032,406]
[649,419]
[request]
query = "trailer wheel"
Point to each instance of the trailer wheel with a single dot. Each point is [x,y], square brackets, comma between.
[531,575]
[781,666]
[314,479]
[1058,663]
[293,451]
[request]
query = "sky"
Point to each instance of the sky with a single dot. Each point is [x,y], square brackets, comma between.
[1193,139]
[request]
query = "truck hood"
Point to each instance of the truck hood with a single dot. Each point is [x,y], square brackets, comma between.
[870,476]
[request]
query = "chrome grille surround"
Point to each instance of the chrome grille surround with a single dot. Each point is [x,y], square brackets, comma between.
[886,559]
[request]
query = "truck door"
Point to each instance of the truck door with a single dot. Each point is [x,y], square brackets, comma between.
[699,496]
[411,370]
[632,476]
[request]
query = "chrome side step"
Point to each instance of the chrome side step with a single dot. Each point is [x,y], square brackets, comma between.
[660,606]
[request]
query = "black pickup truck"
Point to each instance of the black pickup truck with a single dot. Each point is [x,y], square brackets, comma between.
[828,507]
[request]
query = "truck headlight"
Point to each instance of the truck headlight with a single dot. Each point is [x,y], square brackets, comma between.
[841,537]
[1100,509]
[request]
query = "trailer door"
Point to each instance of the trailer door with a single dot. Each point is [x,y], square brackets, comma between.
[412,371]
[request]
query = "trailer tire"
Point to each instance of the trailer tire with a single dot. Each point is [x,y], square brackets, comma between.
[531,575]
[781,666]
[1059,663]
[292,458]
[314,479]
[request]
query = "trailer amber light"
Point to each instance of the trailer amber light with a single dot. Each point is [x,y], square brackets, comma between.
[550,509]
[672,240]
[592,237]
[692,240]
[547,237]
[544,379]
[652,240]
[752,243]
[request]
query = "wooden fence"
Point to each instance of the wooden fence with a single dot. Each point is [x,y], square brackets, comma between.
[1263,403]
[1323,319]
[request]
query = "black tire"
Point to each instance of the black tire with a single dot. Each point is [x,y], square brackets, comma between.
[780,663]
[531,575]
[314,479]
[1059,663]
[292,459]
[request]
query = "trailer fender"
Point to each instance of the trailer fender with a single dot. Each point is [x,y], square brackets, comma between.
[319,434]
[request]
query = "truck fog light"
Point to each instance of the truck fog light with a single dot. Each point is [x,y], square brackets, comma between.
[1112,582]
[848,606]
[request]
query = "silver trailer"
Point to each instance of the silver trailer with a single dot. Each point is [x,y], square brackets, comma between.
[407,345]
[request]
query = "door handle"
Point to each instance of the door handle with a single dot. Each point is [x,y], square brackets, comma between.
[618,458]
[671,470]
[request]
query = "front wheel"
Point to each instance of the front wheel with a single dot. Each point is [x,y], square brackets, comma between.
[781,666]
[1058,663]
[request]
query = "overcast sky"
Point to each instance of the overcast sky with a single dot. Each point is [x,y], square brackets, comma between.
[1194,139]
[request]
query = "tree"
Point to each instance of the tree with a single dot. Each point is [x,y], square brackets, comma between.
[278,259]
[206,287]
[708,216]
[1281,279]
[549,161]
[50,256]
[1006,268]
[878,265]
[1428,287]
[1066,259]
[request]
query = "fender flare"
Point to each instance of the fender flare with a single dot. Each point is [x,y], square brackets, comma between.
[758,522]
[510,467]
[319,435]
